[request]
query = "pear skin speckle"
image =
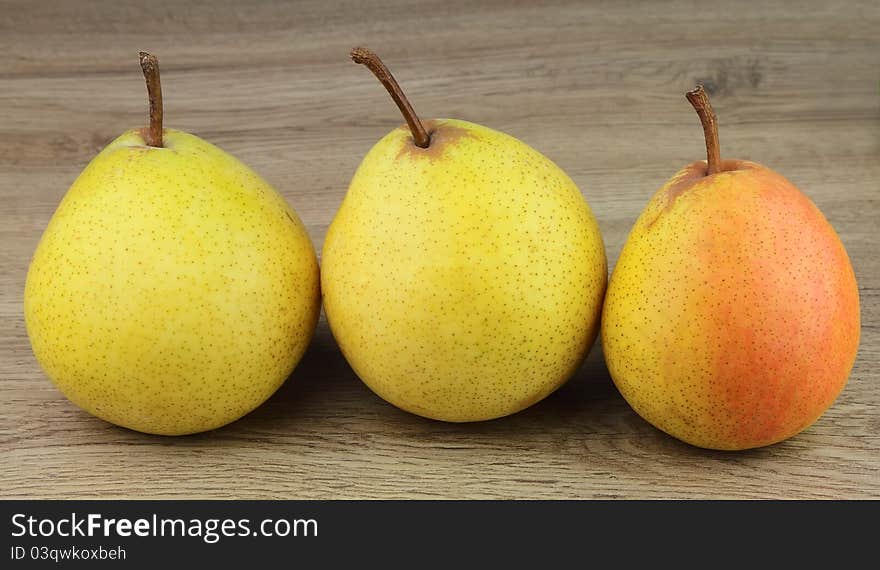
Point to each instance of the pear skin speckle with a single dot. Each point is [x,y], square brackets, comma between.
[463,282]
[174,290]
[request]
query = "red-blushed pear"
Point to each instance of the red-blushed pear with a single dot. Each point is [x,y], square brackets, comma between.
[732,316]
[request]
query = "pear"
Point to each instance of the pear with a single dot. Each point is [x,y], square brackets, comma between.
[463,274]
[732,316]
[173,290]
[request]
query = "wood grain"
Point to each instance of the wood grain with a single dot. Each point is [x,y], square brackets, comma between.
[598,87]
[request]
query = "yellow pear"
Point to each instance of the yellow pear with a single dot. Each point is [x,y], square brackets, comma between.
[464,272]
[732,315]
[173,290]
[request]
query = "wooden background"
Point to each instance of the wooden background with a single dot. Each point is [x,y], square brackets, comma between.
[598,87]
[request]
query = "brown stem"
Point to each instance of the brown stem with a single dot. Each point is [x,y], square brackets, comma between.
[700,101]
[150,67]
[372,61]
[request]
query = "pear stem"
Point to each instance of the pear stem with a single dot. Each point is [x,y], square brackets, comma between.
[366,57]
[700,101]
[150,67]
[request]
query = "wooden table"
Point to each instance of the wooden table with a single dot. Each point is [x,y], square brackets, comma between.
[598,88]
